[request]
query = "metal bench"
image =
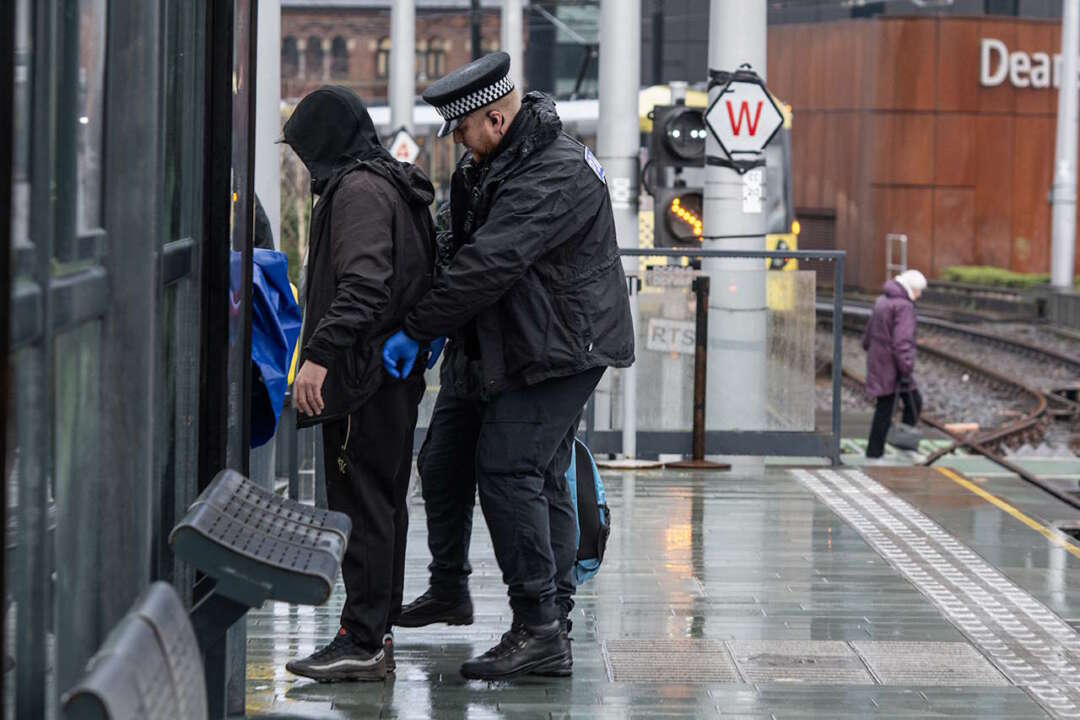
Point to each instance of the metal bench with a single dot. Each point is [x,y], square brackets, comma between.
[250,546]
[258,546]
[149,668]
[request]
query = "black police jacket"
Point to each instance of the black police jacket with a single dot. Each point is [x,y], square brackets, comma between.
[535,288]
[371,257]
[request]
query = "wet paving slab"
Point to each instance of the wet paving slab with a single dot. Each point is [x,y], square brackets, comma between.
[727,595]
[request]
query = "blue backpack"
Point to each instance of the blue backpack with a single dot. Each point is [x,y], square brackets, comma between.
[593,516]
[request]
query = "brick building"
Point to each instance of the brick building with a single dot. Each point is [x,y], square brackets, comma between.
[347,42]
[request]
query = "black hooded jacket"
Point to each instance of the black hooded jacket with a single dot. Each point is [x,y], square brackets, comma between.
[534,287]
[371,248]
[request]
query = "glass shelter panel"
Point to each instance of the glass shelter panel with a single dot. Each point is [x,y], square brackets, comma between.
[76,401]
[91,109]
[666,342]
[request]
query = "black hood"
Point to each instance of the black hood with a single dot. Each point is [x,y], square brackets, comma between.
[330,130]
[409,180]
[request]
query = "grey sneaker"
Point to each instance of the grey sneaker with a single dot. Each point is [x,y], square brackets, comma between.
[341,660]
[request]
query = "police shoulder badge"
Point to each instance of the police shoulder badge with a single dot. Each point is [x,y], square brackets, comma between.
[594,164]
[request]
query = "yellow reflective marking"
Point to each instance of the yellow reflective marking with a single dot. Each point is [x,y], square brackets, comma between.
[1054,536]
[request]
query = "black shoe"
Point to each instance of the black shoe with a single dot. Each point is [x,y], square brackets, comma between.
[341,660]
[563,668]
[388,651]
[428,610]
[541,649]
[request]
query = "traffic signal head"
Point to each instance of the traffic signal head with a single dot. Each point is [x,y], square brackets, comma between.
[678,137]
[677,142]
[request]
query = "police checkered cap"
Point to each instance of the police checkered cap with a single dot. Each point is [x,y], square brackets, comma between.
[456,109]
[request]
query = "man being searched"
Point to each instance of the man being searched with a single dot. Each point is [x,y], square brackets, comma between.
[370,259]
[532,294]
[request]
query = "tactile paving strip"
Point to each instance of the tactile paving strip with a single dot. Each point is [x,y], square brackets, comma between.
[818,662]
[897,662]
[669,660]
[1030,645]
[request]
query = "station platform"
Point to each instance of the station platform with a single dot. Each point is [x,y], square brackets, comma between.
[769,592]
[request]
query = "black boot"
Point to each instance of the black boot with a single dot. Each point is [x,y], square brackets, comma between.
[524,649]
[565,668]
[341,660]
[428,610]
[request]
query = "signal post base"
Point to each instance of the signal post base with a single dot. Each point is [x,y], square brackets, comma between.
[696,465]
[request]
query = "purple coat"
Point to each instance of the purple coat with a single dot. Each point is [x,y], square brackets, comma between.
[889,341]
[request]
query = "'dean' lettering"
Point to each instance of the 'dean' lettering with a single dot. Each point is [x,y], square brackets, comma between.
[1023,70]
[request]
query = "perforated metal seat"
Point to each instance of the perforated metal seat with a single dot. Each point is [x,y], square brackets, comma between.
[149,668]
[259,546]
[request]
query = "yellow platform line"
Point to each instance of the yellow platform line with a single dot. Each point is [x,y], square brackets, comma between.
[1054,536]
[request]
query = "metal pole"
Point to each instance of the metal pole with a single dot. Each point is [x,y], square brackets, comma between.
[268,115]
[617,146]
[402,60]
[512,40]
[701,361]
[658,42]
[1064,190]
[838,353]
[737,312]
[474,22]
[701,352]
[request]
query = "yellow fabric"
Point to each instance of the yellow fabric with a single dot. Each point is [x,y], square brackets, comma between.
[296,350]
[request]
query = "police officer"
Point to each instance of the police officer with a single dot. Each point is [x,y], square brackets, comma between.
[533,297]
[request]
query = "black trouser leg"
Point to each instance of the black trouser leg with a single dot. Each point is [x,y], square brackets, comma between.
[521,433]
[912,406]
[562,519]
[372,493]
[448,483]
[879,428]
[401,519]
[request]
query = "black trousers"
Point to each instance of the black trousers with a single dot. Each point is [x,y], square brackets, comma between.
[516,449]
[372,492]
[883,412]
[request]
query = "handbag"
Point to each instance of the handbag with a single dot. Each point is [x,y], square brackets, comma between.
[901,435]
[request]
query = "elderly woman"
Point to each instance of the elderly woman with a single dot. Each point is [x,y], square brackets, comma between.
[889,342]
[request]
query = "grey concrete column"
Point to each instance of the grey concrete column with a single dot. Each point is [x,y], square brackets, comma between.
[617,147]
[737,371]
[1063,243]
[402,59]
[512,40]
[268,114]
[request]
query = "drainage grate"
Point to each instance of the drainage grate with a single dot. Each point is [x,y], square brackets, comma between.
[669,660]
[819,662]
[927,663]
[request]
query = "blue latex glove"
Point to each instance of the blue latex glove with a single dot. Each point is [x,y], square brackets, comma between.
[435,348]
[399,354]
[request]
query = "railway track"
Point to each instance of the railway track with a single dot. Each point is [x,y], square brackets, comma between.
[1038,383]
[1052,370]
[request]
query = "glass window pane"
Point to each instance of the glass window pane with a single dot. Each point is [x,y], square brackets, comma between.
[20,218]
[242,219]
[91,112]
[184,46]
[77,402]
